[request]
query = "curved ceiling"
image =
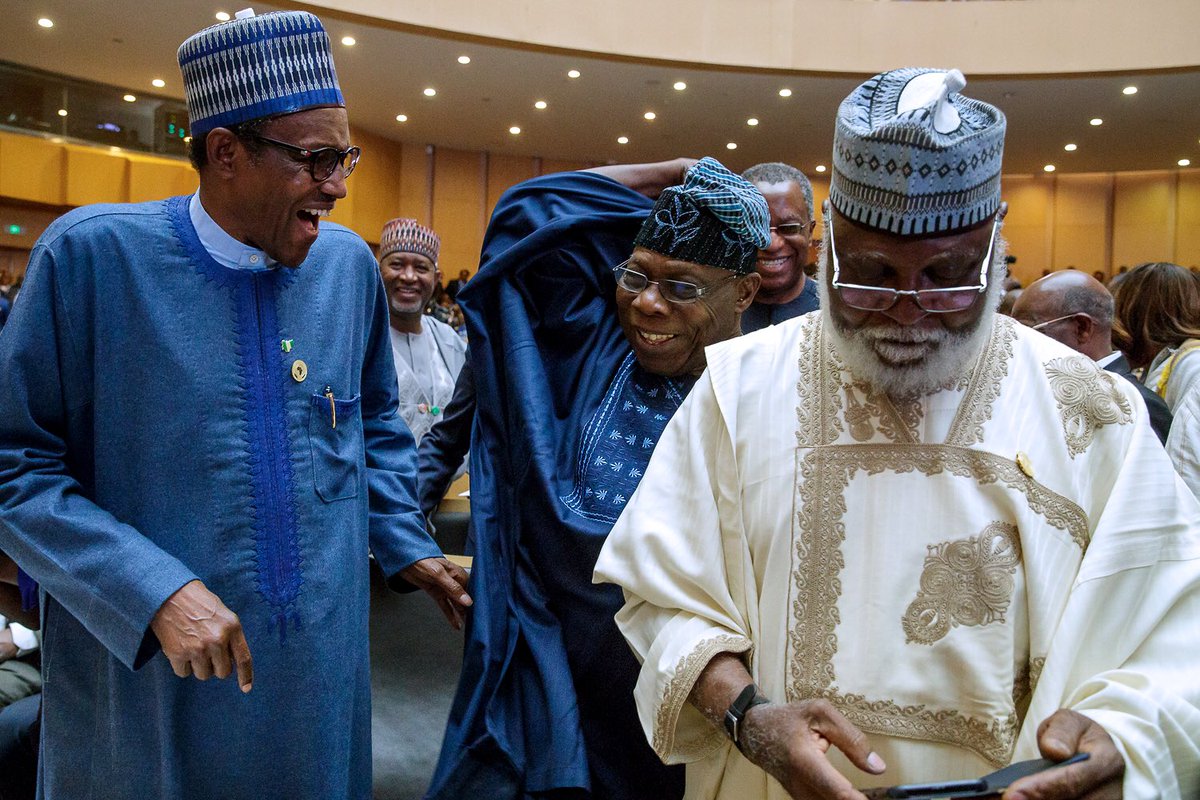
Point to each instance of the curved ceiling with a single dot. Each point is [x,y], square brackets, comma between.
[128,43]
[1013,37]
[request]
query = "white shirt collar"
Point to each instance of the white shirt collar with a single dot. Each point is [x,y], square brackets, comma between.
[1108,359]
[225,250]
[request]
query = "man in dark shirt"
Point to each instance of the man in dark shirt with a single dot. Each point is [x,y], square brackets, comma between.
[1074,308]
[786,291]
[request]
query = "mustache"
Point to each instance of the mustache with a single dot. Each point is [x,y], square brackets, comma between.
[903,334]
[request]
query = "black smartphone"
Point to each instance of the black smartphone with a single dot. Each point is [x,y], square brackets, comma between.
[987,786]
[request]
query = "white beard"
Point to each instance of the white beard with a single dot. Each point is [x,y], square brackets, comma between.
[905,361]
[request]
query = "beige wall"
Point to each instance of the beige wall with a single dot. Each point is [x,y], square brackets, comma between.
[1091,222]
[454,191]
[1102,221]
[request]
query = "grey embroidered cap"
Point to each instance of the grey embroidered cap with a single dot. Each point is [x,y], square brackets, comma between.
[715,218]
[912,156]
[253,67]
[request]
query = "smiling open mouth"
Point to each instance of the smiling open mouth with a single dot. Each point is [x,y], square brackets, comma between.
[313,216]
[656,338]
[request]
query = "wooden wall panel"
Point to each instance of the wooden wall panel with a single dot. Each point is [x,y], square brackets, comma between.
[1099,221]
[1081,222]
[1187,219]
[374,185]
[416,182]
[95,175]
[503,172]
[32,168]
[550,165]
[153,178]
[1143,218]
[820,187]
[1028,224]
[459,195]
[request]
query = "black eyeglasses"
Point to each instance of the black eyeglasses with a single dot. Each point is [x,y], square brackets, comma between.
[672,291]
[322,162]
[793,228]
[933,301]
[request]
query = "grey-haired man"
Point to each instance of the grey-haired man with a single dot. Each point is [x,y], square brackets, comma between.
[896,542]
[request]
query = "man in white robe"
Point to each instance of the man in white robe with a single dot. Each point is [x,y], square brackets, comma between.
[908,540]
[428,353]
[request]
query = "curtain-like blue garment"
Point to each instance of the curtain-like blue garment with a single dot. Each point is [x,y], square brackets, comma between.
[544,706]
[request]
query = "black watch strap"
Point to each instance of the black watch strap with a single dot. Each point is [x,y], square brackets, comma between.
[748,699]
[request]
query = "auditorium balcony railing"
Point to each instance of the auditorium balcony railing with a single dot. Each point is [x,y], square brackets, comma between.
[56,105]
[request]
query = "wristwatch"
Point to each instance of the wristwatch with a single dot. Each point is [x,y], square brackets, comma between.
[748,699]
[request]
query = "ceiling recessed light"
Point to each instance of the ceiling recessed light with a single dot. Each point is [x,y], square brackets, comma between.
[622,140]
[731,146]
[402,118]
[820,167]
[785,92]
[1070,148]
[1096,121]
[349,41]
[62,112]
[680,86]
[1129,90]
[752,121]
[649,115]
[514,130]
[158,83]
[573,73]
[430,91]
[46,22]
[464,59]
[1184,162]
[1048,168]
[223,16]
[540,105]
[129,98]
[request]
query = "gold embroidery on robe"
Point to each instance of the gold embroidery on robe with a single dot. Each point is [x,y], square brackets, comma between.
[680,686]
[967,582]
[1087,399]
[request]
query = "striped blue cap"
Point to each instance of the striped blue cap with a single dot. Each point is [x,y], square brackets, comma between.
[715,218]
[911,156]
[253,67]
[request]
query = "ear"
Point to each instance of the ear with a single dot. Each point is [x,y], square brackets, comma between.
[747,288]
[225,150]
[1085,328]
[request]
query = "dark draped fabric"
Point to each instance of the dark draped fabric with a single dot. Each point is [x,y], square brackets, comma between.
[544,707]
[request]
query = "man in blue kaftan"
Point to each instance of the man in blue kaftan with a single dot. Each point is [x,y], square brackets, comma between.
[199,443]
[581,352]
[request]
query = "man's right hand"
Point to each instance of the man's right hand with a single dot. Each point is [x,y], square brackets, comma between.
[790,741]
[8,648]
[201,637]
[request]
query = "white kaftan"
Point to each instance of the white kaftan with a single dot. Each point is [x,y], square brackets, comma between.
[947,572]
[427,365]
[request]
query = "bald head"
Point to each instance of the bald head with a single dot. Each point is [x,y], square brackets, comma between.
[1072,307]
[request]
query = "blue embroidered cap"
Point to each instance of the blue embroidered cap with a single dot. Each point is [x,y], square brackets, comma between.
[253,67]
[715,218]
[912,156]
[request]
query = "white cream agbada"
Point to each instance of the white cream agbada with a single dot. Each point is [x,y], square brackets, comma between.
[947,572]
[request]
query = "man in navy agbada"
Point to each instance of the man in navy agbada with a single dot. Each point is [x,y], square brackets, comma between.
[588,322]
[199,443]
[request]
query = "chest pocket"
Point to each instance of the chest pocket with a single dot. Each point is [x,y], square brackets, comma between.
[336,439]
